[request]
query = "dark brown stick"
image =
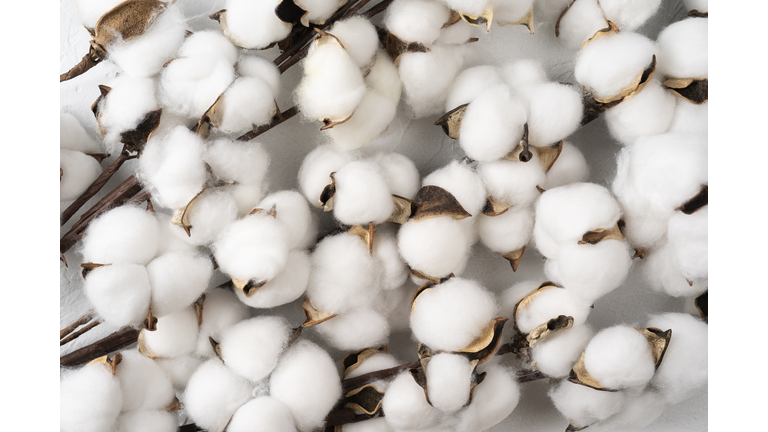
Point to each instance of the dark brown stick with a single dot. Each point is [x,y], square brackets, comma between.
[78,322]
[285,115]
[84,66]
[113,342]
[140,198]
[528,376]
[357,382]
[80,332]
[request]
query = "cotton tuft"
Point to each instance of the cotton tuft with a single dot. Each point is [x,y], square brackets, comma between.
[359,38]
[470,83]
[355,329]
[584,405]
[208,215]
[254,25]
[176,334]
[582,20]
[247,103]
[629,15]
[126,233]
[251,348]
[685,364]
[72,136]
[492,125]
[294,214]
[284,288]
[143,383]
[556,355]
[436,247]
[362,195]
[683,49]
[213,395]
[508,231]
[120,293]
[462,182]
[262,414]
[406,405]
[649,112]
[492,400]
[221,311]
[416,21]
[316,169]
[619,357]
[550,304]
[554,113]
[255,247]
[448,381]
[90,399]
[400,174]
[78,171]
[512,182]
[570,167]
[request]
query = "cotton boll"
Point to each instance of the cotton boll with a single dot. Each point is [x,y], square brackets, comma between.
[582,20]
[508,231]
[247,103]
[549,304]
[452,314]
[252,347]
[427,76]
[609,64]
[359,37]
[316,170]
[556,355]
[512,295]
[371,118]
[684,368]
[662,271]
[176,334]
[638,412]
[649,112]
[91,10]
[683,49]
[254,25]
[462,182]
[355,329]
[570,167]
[395,271]
[362,195]
[209,213]
[247,196]
[690,118]
[144,420]
[554,112]
[143,383]
[688,239]
[628,15]
[492,125]
[699,5]
[210,44]
[213,395]
[221,311]
[470,83]
[306,380]
[284,288]
[471,7]
[78,171]
[521,74]
[255,247]
[263,414]
[383,77]
[591,271]
[179,369]
[436,247]
[90,399]
[125,106]
[258,67]
[237,161]
[294,213]
[319,10]
[492,400]
[416,21]
[119,292]
[448,381]
[619,357]
[583,405]
[177,280]
[406,405]
[400,173]
[512,182]
[374,363]
[190,85]
[72,136]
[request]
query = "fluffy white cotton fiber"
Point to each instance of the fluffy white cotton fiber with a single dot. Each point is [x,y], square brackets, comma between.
[662,271]
[146,420]
[362,195]
[252,347]
[688,239]
[262,414]
[690,118]
[359,38]
[406,405]
[582,20]
[619,357]
[72,136]
[254,25]
[556,355]
[448,380]
[119,292]
[210,212]
[515,293]
[628,15]
[507,232]
[210,44]
[512,182]
[143,383]
[492,400]
[316,169]
[683,49]
[237,161]
[78,171]
[436,247]
[524,73]
[550,304]
[427,76]
[179,369]
[169,241]
[255,66]
[355,329]
[177,280]
[221,311]
[492,125]
[638,412]
[400,174]
[583,405]
[649,112]
[286,287]
[247,103]
[294,213]
[462,182]
[554,112]
[372,116]
[383,77]
[470,83]
[213,395]
[90,399]
[255,247]
[570,167]
[416,21]
[378,424]
[394,270]
[125,233]
[452,314]
[511,11]
[126,105]
[176,334]
[306,380]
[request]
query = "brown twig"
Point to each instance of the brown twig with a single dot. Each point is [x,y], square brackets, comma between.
[285,115]
[80,332]
[78,322]
[88,61]
[357,382]
[113,342]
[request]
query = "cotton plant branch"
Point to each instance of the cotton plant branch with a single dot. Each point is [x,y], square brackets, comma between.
[80,332]
[117,340]
[77,323]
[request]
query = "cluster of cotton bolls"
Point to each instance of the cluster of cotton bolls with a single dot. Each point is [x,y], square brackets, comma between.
[78,158]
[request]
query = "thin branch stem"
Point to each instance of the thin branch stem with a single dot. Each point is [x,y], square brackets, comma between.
[87,62]
[80,332]
[285,115]
[117,340]
[77,323]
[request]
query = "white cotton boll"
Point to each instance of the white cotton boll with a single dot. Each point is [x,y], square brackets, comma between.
[556,355]
[359,37]
[256,66]
[319,10]
[209,44]
[362,195]
[583,405]
[246,196]
[416,20]
[522,74]
[90,399]
[581,22]
[394,270]
[255,247]
[316,169]
[628,15]
[471,7]
[176,334]
[570,167]
[263,414]
[190,85]
[174,166]
[619,357]
[549,304]
[254,25]
[457,33]
[684,368]
[143,383]
[492,400]
[451,315]
[371,118]
[470,83]
[688,238]
[448,381]
[492,125]
[406,405]
[252,347]
[287,286]
[125,106]
[427,76]
[119,292]
[247,103]
[237,161]
[683,49]
[383,77]
[511,11]
[213,395]
[436,247]
[294,213]
[210,213]
[400,173]
[591,271]
[147,420]
[554,112]
[690,118]
[649,112]
[344,274]
[373,425]
[512,295]
[221,310]
[661,270]
[506,232]
[72,136]
[91,10]
[512,182]
[355,329]
[609,64]
[179,369]
[177,280]
[638,412]
[78,171]
[306,380]
[462,182]
[699,5]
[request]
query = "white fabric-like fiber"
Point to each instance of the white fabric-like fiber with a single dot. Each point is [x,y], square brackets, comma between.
[255,66]
[359,38]
[661,270]
[126,233]
[699,5]
[629,14]
[427,76]
[190,85]
[690,118]
[492,125]
[638,412]
[146,420]
[119,292]
[247,103]
[125,106]
[176,334]
[263,414]
[255,247]
[521,74]
[286,287]
[583,405]
[400,173]
[383,77]
[581,22]
[436,247]
[619,357]
[90,399]
[448,379]
[570,167]
[471,7]
[394,270]
[355,329]
[213,395]
[649,112]
[221,311]
[179,369]
[254,25]
[550,304]
[373,425]
[462,182]
[91,10]
[611,63]
[556,355]
[506,232]
[72,136]
[307,382]
[554,112]
[319,10]
[452,314]
[316,170]
[512,182]
[78,172]
[591,271]
[143,383]
[295,215]
[406,405]
[210,213]
[470,83]
[688,239]
[371,118]
[177,280]
[684,368]
[492,400]
[252,347]
[362,195]
[416,20]
[209,44]
[243,162]
[683,49]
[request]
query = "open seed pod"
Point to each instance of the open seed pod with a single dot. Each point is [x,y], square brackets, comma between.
[395,47]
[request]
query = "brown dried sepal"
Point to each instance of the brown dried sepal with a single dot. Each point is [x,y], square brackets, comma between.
[175,405]
[451,121]
[549,155]
[521,152]
[314,316]
[452,19]
[126,21]
[199,305]
[212,117]
[579,375]
[248,287]
[485,345]
[366,234]
[395,47]
[659,342]
[574,427]
[353,360]
[63,259]
[89,267]
[404,208]
[484,19]
[150,322]
[640,253]
[701,303]
[272,212]
[635,87]
[181,215]
[329,122]
[98,105]
[434,201]
[696,14]
[494,208]
[549,328]
[530,297]
[288,11]
[143,348]
[560,17]
[699,201]
[607,31]
[366,399]
[216,347]
[540,189]
[514,258]
[136,139]
[111,363]
[600,234]
[695,91]
[527,21]
[431,284]
[326,196]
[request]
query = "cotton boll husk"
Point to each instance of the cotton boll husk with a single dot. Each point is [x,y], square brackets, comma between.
[252,347]
[506,232]
[619,357]
[581,22]
[306,380]
[448,380]
[287,286]
[406,405]
[649,112]
[78,172]
[371,118]
[210,213]
[456,34]
[372,425]
[190,85]
[72,136]
[512,182]
[427,76]
[470,83]
[628,15]
[492,400]
[125,106]
[263,414]
[690,118]
[688,239]
[254,25]
[556,355]
[462,182]
[90,11]
[638,412]
[661,270]
[344,274]
[510,11]
[213,395]
[247,196]
[362,195]
[258,67]
[384,78]
[584,405]
[237,161]
[394,270]
[120,293]
[90,399]
[436,247]
[221,311]
[174,166]
[359,38]
[683,49]
[316,169]
[521,74]
[416,20]
[570,167]
[294,213]
[550,304]
[355,329]
[255,247]
[609,64]
[451,315]
[699,5]
[177,280]
[684,368]
[248,102]
[400,173]
[554,112]
[143,383]
[176,334]
[179,369]
[147,420]
[515,293]
[591,271]
[492,124]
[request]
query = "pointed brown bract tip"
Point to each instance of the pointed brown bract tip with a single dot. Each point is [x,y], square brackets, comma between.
[579,375]
[514,258]
[136,139]
[600,234]
[609,30]
[199,305]
[175,405]
[326,196]
[451,121]
[695,91]
[271,212]
[658,341]
[702,305]
[434,201]
[314,316]
[404,208]
[549,155]
[486,344]
[89,267]
[484,19]
[142,346]
[494,208]
[560,17]
[181,216]
[365,233]
[353,360]
[543,331]
[150,322]
[572,427]
[329,123]
[64,260]
[540,189]
[111,363]
[640,253]
[696,14]
[216,15]
[248,287]
[216,347]
[699,201]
